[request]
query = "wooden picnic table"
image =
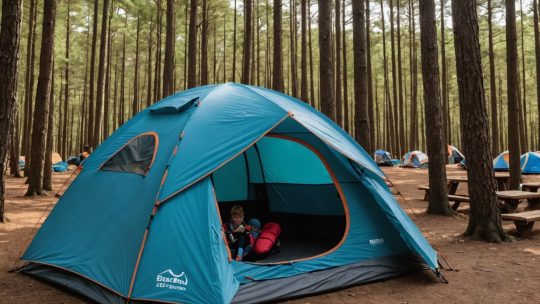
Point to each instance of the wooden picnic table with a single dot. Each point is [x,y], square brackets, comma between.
[512,198]
[532,187]
[454,181]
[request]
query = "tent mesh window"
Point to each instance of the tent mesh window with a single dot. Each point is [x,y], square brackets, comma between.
[135,157]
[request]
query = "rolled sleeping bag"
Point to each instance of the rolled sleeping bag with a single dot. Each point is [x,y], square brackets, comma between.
[267,239]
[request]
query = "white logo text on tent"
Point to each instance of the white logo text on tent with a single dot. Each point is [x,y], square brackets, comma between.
[167,279]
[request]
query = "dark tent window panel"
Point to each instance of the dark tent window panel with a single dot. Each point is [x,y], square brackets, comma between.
[135,157]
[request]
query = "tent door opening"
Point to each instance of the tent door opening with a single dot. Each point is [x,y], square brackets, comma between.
[284,180]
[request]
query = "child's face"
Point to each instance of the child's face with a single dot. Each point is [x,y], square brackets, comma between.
[237,219]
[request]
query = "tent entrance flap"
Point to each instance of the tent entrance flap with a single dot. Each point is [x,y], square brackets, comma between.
[286,181]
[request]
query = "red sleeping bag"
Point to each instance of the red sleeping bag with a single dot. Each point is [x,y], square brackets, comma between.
[267,239]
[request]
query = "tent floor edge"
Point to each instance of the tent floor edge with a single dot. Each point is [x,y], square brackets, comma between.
[331,279]
[76,284]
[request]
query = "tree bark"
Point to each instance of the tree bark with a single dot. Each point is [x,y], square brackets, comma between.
[168,62]
[512,91]
[337,40]
[537,61]
[90,125]
[346,120]
[63,139]
[42,99]
[135,100]
[492,84]
[192,49]
[277,75]
[523,101]
[438,197]
[326,65]
[444,83]
[395,124]
[14,150]
[402,139]
[204,44]
[413,140]
[369,75]
[303,52]
[101,74]
[292,50]
[484,220]
[47,164]
[29,81]
[246,59]
[361,117]
[10,36]
[390,134]
[311,83]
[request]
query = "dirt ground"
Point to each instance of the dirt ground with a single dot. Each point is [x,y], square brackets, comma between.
[487,273]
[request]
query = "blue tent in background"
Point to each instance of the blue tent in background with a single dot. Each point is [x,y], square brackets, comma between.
[415,159]
[383,158]
[530,163]
[501,162]
[143,219]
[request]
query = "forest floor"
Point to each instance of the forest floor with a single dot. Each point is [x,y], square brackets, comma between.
[488,273]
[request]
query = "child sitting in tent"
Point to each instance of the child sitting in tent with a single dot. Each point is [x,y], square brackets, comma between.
[241,236]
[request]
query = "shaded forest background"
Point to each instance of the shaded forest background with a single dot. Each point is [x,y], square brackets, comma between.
[134,64]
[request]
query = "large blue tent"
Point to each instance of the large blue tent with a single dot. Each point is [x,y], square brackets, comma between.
[143,219]
[530,163]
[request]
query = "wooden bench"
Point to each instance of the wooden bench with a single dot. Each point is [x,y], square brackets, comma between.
[524,221]
[425,188]
[458,199]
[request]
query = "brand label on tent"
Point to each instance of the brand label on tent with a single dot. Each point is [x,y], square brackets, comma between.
[167,279]
[376,242]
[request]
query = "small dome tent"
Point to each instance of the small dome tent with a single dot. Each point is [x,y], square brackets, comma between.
[501,162]
[454,155]
[415,159]
[383,158]
[530,163]
[142,220]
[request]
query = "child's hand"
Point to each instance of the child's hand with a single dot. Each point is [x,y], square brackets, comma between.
[240,229]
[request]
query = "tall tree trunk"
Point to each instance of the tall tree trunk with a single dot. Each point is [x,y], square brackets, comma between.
[247,41]
[361,115]
[390,134]
[369,76]
[444,83]
[49,144]
[192,49]
[29,91]
[523,101]
[135,100]
[204,44]
[157,74]
[396,143]
[107,99]
[326,65]
[122,114]
[225,47]
[292,50]
[492,85]
[311,83]
[413,140]
[149,96]
[277,76]
[337,42]
[537,61]
[512,91]
[403,111]
[484,220]
[436,150]
[10,36]
[303,52]
[101,74]
[14,150]
[346,121]
[35,185]
[29,80]
[115,94]
[168,62]
[90,125]
[63,139]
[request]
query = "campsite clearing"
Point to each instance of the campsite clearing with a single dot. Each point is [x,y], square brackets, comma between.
[486,271]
